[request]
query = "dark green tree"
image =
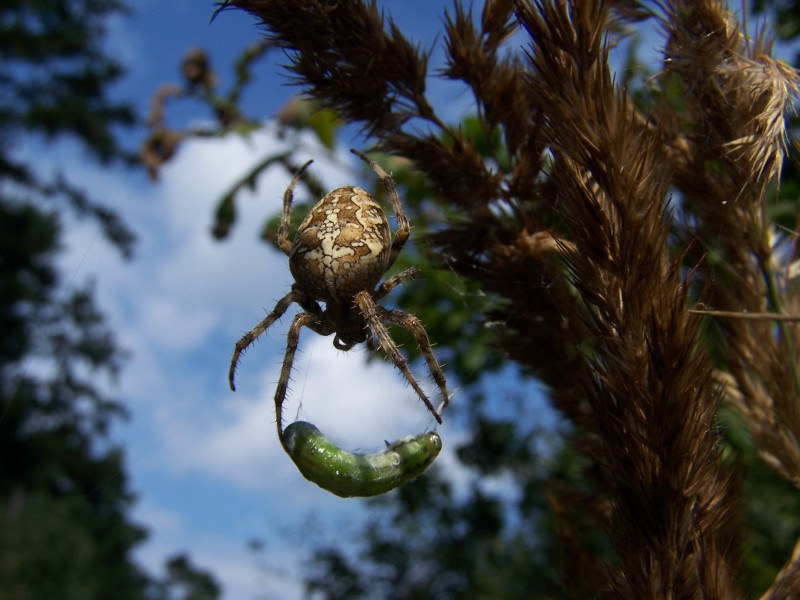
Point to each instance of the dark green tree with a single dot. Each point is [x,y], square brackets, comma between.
[65,531]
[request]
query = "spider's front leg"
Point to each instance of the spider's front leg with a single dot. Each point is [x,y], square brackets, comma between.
[303,319]
[248,338]
[374,315]
[414,325]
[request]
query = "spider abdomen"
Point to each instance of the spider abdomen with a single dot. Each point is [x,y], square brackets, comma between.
[342,247]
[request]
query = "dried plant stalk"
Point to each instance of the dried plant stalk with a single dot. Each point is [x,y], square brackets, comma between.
[650,384]
[569,222]
[736,99]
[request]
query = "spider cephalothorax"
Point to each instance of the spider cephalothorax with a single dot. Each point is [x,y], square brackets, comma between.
[340,252]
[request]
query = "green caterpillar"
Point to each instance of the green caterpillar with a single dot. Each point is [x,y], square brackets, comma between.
[346,474]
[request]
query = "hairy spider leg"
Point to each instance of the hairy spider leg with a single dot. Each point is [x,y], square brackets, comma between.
[374,315]
[414,325]
[383,290]
[403,227]
[387,286]
[286,216]
[248,338]
[403,319]
[300,320]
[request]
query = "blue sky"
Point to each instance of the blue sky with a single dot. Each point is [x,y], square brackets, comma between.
[205,463]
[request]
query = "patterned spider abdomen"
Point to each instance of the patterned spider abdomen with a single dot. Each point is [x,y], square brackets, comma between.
[342,246]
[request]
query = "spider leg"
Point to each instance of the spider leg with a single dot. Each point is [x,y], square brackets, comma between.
[403,227]
[374,315]
[286,217]
[340,345]
[300,320]
[391,283]
[414,325]
[248,338]
[384,289]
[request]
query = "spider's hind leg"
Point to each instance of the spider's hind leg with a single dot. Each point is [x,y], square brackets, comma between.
[403,226]
[387,286]
[286,215]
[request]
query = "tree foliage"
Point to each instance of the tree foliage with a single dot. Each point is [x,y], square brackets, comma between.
[65,531]
[600,227]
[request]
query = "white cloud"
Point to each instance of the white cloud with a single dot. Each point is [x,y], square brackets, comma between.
[158,518]
[175,326]
[358,405]
[239,570]
[198,454]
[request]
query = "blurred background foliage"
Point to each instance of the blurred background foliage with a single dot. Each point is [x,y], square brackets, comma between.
[65,527]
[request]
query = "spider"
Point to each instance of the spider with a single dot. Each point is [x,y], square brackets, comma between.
[340,252]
